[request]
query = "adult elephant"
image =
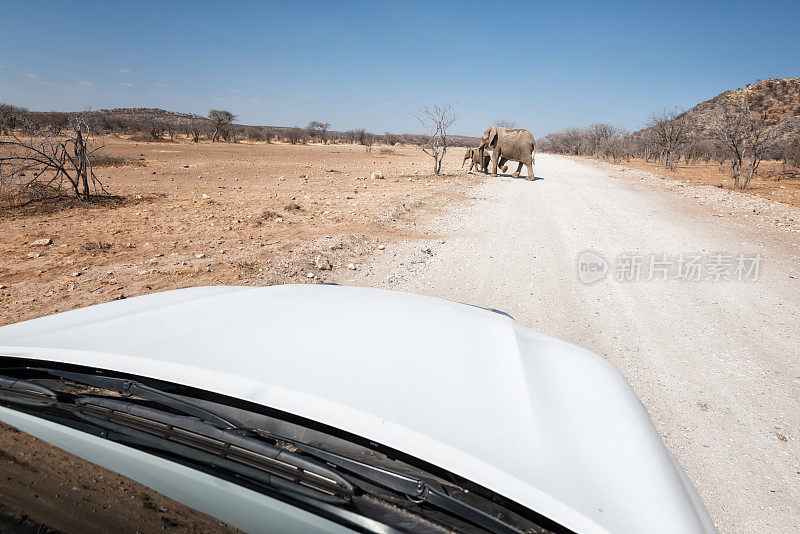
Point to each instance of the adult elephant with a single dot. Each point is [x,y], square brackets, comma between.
[510,145]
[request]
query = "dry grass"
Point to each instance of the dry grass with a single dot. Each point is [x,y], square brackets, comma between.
[772,182]
[107,160]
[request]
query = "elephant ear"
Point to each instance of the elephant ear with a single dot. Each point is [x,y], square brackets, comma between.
[492,136]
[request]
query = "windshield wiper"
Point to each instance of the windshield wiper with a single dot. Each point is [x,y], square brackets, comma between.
[232,450]
[414,488]
[25,392]
[214,441]
[132,388]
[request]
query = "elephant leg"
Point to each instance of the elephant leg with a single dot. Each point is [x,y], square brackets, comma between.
[495,160]
[503,165]
[519,168]
[531,176]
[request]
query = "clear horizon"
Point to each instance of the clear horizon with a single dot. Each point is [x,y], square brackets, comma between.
[362,65]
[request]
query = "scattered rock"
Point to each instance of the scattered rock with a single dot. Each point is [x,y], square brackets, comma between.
[3,286]
[279,219]
[381,247]
[303,176]
[377,175]
[281,178]
[322,263]
[205,196]
[351,266]
[361,177]
[200,256]
[42,242]
[310,275]
[33,254]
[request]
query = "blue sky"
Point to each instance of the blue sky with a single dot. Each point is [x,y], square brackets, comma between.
[544,65]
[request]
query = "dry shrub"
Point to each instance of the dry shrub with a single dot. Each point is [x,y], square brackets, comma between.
[291,206]
[269,214]
[105,160]
[147,138]
[91,246]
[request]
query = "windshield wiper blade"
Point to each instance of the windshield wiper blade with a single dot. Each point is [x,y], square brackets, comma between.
[235,451]
[127,387]
[25,392]
[414,488]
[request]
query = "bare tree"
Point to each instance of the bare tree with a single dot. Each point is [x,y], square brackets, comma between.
[436,120]
[671,132]
[221,119]
[295,135]
[788,147]
[11,118]
[156,131]
[762,137]
[506,124]
[743,135]
[318,130]
[728,127]
[47,164]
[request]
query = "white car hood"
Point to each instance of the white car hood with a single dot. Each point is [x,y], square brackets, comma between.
[540,421]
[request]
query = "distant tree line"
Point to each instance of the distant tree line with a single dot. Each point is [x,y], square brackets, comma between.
[218,125]
[730,132]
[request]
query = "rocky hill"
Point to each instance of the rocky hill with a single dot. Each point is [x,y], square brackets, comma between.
[775,97]
[146,115]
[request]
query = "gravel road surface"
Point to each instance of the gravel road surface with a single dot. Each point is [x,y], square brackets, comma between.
[714,362]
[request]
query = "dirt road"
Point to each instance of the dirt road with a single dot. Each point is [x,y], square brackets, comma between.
[714,362]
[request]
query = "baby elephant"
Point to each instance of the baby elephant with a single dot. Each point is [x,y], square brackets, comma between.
[478,159]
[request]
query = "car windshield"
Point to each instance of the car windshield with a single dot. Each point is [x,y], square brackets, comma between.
[320,469]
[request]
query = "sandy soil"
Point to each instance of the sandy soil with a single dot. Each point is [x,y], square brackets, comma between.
[714,363]
[217,214]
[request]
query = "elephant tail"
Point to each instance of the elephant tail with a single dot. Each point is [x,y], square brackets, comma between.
[533,157]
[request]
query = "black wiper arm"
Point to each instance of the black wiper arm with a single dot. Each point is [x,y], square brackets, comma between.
[127,387]
[414,488]
[235,451]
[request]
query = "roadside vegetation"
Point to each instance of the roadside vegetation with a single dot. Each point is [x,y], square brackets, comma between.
[738,130]
[47,156]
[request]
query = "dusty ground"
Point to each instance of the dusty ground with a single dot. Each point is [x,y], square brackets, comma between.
[194,215]
[773,182]
[714,363]
[217,214]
